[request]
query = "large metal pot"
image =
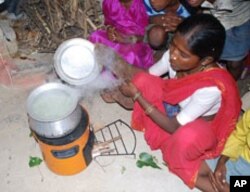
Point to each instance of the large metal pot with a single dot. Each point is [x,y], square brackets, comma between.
[53,110]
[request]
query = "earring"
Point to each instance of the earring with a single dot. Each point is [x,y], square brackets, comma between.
[174,58]
[203,66]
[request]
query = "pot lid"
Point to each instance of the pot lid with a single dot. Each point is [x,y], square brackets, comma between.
[74,61]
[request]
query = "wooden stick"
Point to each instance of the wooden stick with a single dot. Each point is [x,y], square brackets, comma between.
[91,23]
[109,141]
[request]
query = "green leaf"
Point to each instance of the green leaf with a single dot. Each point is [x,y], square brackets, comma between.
[123,169]
[35,161]
[145,157]
[147,160]
[154,165]
[31,134]
[140,163]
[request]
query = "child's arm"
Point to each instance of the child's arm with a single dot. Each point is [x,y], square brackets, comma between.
[171,21]
[218,178]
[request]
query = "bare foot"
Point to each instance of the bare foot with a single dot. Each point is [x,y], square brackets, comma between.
[106,95]
[125,102]
[115,96]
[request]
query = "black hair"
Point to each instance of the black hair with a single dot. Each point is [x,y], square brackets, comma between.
[205,35]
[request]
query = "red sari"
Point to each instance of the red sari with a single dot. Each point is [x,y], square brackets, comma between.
[184,150]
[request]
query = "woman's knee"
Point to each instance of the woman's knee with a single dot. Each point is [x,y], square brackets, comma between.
[194,140]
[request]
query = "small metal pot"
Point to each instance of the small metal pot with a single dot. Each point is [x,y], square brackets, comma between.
[53,110]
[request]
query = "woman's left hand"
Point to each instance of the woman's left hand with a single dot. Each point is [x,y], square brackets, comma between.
[128,89]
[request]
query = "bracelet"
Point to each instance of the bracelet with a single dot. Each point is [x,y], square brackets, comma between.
[149,109]
[108,26]
[137,95]
[133,39]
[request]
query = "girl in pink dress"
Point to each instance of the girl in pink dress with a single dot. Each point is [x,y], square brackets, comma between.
[125,22]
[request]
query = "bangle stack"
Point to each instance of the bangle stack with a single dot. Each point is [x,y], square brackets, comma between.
[133,39]
[137,95]
[149,109]
[108,26]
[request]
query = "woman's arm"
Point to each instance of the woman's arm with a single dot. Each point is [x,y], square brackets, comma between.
[168,124]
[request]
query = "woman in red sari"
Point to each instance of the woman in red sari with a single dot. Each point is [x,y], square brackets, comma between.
[189,116]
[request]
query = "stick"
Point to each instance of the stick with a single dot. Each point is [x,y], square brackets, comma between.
[91,23]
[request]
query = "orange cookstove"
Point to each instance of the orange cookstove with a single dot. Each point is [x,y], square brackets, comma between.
[71,153]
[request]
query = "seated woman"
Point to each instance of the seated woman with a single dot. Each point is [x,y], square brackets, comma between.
[125,22]
[189,116]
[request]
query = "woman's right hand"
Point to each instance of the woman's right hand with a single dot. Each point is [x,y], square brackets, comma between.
[128,89]
[111,33]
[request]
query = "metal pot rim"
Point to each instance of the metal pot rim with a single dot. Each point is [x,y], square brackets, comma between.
[45,88]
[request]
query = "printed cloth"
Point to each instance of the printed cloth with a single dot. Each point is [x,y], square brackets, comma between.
[181,11]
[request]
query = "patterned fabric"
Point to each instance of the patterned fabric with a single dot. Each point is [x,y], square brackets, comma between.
[131,21]
[171,110]
[185,149]
[231,13]
[150,9]
[181,11]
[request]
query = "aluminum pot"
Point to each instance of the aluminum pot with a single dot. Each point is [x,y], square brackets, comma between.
[53,110]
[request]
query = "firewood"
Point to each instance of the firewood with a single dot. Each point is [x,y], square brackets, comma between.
[60,20]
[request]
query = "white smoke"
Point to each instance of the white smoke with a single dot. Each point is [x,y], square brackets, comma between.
[105,58]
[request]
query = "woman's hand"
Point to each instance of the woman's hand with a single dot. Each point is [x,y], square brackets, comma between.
[114,35]
[111,33]
[128,89]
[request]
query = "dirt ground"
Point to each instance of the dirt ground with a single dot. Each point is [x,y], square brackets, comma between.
[109,174]
[117,173]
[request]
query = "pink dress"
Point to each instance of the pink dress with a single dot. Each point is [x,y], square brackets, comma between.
[132,21]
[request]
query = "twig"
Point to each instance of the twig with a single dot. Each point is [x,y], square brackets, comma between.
[91,23]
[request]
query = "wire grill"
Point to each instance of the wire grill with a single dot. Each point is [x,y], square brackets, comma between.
[116,138]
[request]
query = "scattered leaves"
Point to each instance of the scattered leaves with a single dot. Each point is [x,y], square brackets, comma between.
[35,161]
[146,159]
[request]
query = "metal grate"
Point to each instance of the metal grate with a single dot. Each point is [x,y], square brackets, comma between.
[116,138]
